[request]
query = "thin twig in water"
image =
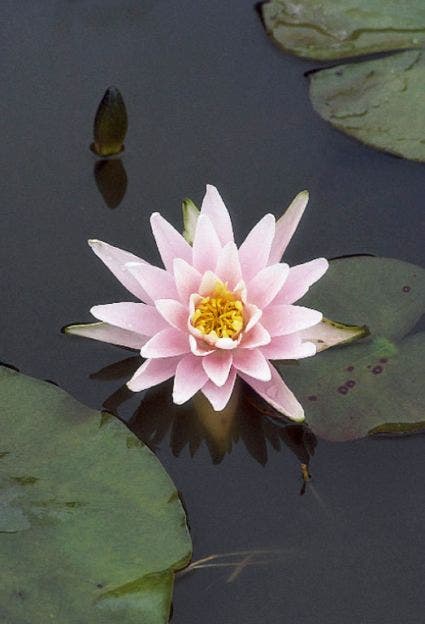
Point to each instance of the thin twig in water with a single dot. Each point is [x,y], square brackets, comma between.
[248,559]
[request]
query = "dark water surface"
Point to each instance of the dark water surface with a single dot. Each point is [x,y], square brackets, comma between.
[210,99]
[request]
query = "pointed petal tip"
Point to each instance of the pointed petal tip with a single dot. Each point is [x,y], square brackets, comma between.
[211,187]
[93,310]
[299,417]
[130,386]
[179,400]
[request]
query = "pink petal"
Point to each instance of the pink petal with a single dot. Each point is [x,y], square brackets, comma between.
[153,372]
[299,280]
[214,208]
[174,312]
[226,343]
[252,316]
[116,260]
[170,243]
[190,377]
[287,319]
[286,226]
[217,366]
[277,393]
[187,279]
[208,283]
[256,337]
[255,250]
[263,288]
[136,317]
[166,343]
[289,347]
[206,245]
[228,267]
[199,347]
[253,363]
[108,333]
[219,396]
[159,284]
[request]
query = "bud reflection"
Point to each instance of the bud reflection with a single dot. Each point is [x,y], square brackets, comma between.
[111,180]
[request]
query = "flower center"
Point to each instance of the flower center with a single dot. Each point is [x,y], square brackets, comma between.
[220,314]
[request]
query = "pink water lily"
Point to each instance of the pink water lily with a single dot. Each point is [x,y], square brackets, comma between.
[214,311]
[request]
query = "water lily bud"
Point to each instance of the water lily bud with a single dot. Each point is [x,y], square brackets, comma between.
[110,124]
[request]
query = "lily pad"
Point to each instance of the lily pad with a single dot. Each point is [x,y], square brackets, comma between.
[91,526]
[375,385]
[379,102]
[332,29]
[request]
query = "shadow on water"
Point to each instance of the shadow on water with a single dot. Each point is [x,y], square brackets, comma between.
[195,423]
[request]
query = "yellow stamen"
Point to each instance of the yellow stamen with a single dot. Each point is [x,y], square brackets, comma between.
[219,315]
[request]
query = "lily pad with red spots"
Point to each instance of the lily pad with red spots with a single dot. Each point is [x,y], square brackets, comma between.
[376,384]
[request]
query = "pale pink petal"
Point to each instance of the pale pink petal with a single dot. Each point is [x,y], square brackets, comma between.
[217,366]
[299,280]
[170,243]
[199,347]
[286,226]
[290,347]
[219,396]
[214,208]
[206,245]
[159,284]
[187,279]
[256,337]
[166,343]
[174,312]
[255,250]
[252,315]
[208,283]
[240,291]
[228,267]
[190,377]
[137,317]
[227,343]
[107,333]
[277,393]
[253,363]
[153,372]
[263,288]
[116,260]
[287,319]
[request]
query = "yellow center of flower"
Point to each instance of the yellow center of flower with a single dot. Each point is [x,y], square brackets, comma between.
[220,314]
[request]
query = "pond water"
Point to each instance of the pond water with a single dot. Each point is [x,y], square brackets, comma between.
[209,99]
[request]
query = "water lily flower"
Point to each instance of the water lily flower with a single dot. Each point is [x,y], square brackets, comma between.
[214,311]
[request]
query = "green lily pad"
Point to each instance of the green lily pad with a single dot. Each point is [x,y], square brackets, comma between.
[91,526]
[332,29]
[374,385]
[379,102]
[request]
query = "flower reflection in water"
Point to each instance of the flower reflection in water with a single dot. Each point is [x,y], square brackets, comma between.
[245,419]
